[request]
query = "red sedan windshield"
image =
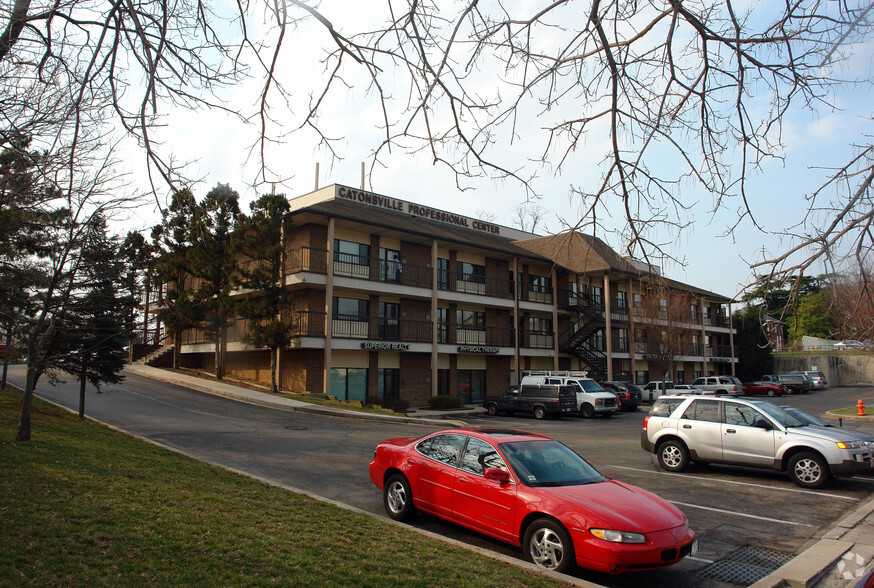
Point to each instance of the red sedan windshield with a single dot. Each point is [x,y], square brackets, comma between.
[549,463]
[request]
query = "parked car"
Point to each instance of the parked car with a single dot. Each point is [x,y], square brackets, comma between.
[628,395]
[747,432]
[537,399]
[720,385]
[798,383]
[767,388]
[592,399]
[683,389]
[817,378]
[849,344]
[815,421]
[533,492]
[654,389]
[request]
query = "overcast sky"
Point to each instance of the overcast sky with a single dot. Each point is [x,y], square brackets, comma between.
[219,145]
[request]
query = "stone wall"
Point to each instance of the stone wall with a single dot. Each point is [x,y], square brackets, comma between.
[840,369]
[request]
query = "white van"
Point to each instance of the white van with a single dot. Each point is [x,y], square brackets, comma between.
[592,399]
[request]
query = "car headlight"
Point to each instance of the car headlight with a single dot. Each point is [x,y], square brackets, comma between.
[617,536]
[849,444]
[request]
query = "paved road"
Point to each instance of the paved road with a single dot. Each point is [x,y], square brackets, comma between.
[327,456]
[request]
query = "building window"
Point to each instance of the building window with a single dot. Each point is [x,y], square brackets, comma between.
[443,382]
[390,266]
[388,390]
[663,305]
[471,319]
[598,340]
[540,332]
[351,258]
[621,299]
[622,339]
[442,273]
[681,377]
[693,309]
[597,294]
[470,277]
[638,301]
[471,327]
[349,384]
[350,318]
[389,312]
[540,284]
[350,309]
[443,326]
[471,385]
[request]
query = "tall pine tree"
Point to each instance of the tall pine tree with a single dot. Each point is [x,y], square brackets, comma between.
[259,238]
[212,265]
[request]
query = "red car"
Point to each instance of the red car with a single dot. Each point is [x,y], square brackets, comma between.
[769,388]
[533,492]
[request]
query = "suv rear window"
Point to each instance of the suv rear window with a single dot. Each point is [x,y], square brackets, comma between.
[664,407]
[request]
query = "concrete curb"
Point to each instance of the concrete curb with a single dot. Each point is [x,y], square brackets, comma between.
[850,536]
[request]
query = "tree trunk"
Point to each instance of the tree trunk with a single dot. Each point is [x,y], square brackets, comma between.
[83,379]
[273,387]
[26,406]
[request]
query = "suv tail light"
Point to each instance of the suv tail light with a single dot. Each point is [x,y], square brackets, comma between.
[645,422]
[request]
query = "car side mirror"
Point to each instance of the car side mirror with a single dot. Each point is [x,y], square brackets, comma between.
[763,424]
[497,474]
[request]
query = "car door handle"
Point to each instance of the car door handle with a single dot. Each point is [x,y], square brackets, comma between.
[730,431]
[687,426]
[461,480]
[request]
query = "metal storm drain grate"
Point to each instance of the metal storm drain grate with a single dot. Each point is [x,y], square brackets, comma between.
[746,566]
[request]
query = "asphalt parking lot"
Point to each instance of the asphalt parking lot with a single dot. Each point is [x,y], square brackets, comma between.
[733,510]
[730,508]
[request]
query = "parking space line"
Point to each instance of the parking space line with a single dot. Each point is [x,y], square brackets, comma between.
[798,490]
[741,514]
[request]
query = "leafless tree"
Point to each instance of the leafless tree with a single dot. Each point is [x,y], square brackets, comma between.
[527,216]
[664,324]
[852,308]
[646,100]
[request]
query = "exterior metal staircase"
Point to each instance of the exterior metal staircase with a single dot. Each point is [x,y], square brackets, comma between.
[577,339]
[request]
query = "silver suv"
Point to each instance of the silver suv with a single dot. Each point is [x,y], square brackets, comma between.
[720,385]
[680,429]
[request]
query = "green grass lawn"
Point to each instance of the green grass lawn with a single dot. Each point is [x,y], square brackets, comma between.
[83,505]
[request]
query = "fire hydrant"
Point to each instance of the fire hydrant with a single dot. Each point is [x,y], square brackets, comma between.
[861,406]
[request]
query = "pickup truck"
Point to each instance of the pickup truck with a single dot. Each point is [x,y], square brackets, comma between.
[537,399]
[798,383]
[654,389]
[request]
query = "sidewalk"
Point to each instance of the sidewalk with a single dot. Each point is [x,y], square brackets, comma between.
[447,418]
[840,559]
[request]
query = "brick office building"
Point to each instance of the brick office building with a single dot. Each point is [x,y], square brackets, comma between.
[396,301]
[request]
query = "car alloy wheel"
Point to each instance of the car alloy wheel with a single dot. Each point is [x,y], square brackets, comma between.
[548,545]
[808,470]
[398,498]
[539,412]
[492,409]
[770,392]
[673,456]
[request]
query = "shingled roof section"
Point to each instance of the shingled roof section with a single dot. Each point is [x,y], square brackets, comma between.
[578,253]
[419,226]
[587,254]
